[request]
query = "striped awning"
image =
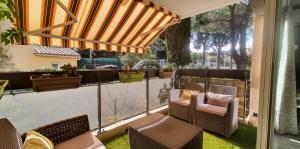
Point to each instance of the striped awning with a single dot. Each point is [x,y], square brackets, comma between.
[54,51]
[113,25]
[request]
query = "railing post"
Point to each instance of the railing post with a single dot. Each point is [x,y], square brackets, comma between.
[147,92]
[99,102]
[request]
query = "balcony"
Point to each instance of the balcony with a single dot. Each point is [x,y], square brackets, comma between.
[112,104]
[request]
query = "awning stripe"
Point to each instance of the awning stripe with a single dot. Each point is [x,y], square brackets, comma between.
[48,9]
[130,29]
[74,6]
[109,17]
[127,14]
[114,25]
[90,20]
[143,27]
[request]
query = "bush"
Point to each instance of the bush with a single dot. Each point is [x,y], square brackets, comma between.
[193,66]
[147,64]
[170,67]
[129,60]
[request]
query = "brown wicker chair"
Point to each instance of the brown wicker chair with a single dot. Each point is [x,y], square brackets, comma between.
[221,120]
[182,108]
[64,130]
[63,134]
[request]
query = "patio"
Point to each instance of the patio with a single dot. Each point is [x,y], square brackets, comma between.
[98,107]
[243,138]
[117,110]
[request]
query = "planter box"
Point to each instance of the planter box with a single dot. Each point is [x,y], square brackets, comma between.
[54,82]
[165,74]
[127,77]
[3,84]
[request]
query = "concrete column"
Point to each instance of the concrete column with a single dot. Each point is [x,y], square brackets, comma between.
[256,59]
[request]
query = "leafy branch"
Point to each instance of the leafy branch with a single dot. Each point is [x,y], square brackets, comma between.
[8,12]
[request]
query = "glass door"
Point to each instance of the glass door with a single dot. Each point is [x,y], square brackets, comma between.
[286,78]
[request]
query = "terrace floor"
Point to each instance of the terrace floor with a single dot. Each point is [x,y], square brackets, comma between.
[243,138]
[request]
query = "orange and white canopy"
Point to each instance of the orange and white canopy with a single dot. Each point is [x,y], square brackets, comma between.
[113,25]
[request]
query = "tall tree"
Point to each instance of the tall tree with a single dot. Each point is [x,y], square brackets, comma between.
[239,22]
[228,23]
[202,40]
[219,41]
[178,42]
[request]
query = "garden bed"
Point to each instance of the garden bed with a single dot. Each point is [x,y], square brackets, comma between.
[54,82]
[131,76]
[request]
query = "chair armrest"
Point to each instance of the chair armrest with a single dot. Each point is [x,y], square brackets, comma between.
[174,94]
[232,117]
[64,130]
[198,99]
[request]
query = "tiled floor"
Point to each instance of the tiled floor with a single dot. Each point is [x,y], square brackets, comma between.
[286,142]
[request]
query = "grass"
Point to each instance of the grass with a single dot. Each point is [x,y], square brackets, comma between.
[243,138]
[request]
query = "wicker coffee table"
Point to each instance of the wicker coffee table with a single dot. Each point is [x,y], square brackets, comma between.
[158,131]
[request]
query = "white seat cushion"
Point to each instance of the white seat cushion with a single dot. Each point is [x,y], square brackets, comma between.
[212,109]
[184,102]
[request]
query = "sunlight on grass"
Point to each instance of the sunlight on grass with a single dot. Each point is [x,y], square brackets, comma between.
[243,138]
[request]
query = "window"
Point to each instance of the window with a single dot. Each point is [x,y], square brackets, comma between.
[55,66]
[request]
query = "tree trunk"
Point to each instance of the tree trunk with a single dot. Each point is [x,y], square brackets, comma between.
[204,55]
[232,34]
[239,29]
[218,57]
[178,43]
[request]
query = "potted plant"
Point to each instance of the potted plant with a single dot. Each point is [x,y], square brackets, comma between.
[48,81]
[128,61]
[167,72]
[150,65]
[3,84]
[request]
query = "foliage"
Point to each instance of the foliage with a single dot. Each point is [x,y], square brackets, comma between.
[210,32]
[44,69]
[170,67]
[149,54]
[159,44]
[193,66]
[213,59]
[7,10]
[215,29]
[146,64]
[69,69]
[178,42]
[129,60]
[196,56]
[11,35]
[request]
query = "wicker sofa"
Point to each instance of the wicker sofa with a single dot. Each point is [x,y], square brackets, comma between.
[218,119]
[182,108]
[71,133]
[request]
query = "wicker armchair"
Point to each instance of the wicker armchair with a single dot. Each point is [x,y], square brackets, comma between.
[71,133]
[64,130]
[218,119]
[182,108]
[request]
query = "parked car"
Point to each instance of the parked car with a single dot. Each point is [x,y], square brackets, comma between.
[108,67]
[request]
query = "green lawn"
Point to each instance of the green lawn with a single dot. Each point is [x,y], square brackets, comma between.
[243,138]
